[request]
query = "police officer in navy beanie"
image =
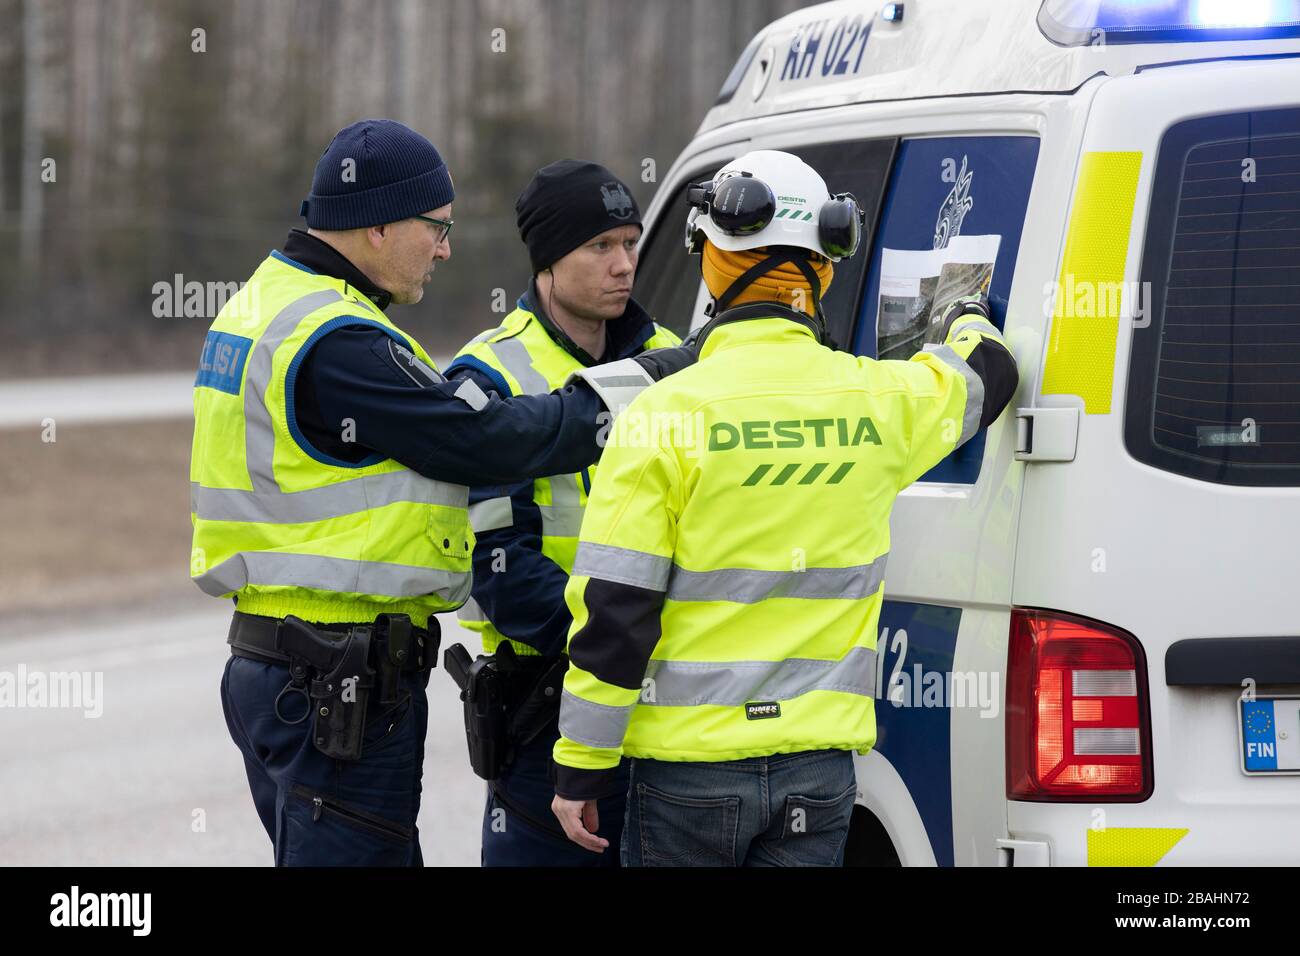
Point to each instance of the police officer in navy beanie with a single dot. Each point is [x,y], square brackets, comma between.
[382,197]
[338,395]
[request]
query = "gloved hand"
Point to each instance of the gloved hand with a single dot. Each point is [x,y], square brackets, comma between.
[660,363]
[966,305]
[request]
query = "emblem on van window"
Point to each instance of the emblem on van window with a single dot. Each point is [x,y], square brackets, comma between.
[954,208]
[617,202]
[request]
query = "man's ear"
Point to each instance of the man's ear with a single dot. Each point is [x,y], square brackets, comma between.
[376,235]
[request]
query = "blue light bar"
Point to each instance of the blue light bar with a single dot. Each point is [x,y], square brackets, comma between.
[1096,22]
[892,13]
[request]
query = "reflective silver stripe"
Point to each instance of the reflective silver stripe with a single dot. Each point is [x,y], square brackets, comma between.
[595,725]
[402,354]
[733,683]
[330,501]
[976,322]
[333,574]
[514,356]
[616,383]
[471,395]
[484,336]
[491,514]
[470,611]
[974,389]
[259,435]
[623,381]
[638,569]
[562,518]
[749,587]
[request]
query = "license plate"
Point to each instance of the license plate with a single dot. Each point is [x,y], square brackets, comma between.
[1270,735]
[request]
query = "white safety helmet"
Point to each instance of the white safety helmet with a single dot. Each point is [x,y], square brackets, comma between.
[771,198]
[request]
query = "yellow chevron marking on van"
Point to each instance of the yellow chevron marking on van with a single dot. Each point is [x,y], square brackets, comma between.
[1132,846]
[1085,323]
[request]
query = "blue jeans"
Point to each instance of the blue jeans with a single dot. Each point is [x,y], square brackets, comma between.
[782,810]
[319,811]
[510,840]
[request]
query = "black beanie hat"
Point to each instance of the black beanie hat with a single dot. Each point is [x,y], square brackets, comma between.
[568,202]
[394,173]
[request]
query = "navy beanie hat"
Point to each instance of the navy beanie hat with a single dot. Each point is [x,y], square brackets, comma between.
[375,172]
[568,202]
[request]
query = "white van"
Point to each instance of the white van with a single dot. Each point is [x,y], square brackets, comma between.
[1088,651]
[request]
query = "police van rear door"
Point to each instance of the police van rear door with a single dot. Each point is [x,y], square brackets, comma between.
[1155,663]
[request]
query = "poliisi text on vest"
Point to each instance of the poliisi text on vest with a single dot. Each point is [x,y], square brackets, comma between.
[793,433]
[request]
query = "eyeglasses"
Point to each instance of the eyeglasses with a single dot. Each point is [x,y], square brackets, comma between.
[443,226]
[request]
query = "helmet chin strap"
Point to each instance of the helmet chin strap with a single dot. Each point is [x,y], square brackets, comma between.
[761,268]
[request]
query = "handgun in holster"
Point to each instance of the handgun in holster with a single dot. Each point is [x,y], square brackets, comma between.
[340,691]
[482,684]
[507,704]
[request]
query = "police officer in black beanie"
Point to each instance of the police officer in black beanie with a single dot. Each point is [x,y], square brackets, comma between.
[581,225]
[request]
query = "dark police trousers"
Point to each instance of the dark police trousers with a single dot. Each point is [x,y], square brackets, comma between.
[319,811]
[511,840]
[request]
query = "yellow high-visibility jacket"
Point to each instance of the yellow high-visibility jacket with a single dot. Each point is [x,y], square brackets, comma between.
[730,568]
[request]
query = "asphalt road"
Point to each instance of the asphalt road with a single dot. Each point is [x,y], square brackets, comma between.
[132,786]
[83,399]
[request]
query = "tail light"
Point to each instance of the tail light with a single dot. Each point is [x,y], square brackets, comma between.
[1078,719]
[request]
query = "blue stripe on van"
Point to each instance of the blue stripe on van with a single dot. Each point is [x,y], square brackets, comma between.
[914,734]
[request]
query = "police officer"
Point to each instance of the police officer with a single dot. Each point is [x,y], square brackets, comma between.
[580,224]
[726,593]
[329,497]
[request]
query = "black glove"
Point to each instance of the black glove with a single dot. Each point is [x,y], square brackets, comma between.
[660,363]
[966,305]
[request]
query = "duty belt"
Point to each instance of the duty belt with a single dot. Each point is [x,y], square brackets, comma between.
[257,637]
[334,668]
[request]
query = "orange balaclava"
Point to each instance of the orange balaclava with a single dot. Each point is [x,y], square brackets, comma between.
[784,284]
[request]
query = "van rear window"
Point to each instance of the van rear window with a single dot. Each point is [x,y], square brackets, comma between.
[1214,376]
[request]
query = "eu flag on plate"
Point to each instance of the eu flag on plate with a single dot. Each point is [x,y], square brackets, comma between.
[1259,734]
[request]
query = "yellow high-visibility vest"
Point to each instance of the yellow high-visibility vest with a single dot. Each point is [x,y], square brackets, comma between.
[525,356]
[283,526]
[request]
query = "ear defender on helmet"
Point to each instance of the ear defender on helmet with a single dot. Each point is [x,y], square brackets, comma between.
[742,205]
[839,226]
[739,205]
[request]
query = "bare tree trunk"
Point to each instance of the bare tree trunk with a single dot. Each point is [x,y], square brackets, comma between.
[31,217]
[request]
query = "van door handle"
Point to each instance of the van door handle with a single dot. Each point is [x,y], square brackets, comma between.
[1046,434]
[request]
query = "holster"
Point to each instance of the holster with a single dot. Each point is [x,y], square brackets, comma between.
[483,690]
[340,691]
[508,701]
[540,703]
[336,671]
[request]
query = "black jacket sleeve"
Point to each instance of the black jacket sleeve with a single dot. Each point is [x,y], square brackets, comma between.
[352,375]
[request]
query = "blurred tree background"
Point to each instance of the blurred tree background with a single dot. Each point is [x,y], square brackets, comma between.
[133,150]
